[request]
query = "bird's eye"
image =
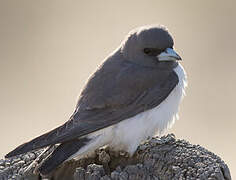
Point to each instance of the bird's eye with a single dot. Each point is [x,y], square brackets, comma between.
[152,51]
[147,50]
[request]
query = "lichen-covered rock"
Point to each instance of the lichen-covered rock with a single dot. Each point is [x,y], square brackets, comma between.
[157,159]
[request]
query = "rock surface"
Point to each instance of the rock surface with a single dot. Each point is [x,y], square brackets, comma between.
[157,159]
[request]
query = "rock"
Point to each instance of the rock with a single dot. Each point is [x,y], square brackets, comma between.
[156,159]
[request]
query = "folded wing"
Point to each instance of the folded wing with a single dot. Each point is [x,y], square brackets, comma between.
[108,105]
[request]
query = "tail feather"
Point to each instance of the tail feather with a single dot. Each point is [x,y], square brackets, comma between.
[57,135]
[61,154]
[34,144]
[37,143]
[17,151]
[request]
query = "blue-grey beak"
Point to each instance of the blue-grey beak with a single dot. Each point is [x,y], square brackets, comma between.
[169,55]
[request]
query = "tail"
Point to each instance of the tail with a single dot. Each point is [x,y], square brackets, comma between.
[61,154]
[37,143]
[58,135]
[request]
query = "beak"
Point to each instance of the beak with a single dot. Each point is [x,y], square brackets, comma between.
[169,55]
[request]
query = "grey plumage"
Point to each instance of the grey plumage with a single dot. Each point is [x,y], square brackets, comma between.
[130,81]
[61,153]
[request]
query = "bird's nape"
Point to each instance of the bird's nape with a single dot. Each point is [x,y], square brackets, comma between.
[131,96]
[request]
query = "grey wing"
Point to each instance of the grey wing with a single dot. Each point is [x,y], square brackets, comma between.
[87,120]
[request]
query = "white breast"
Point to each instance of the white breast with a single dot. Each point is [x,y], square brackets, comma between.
[129,133]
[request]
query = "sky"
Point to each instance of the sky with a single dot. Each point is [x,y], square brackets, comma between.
[49,48]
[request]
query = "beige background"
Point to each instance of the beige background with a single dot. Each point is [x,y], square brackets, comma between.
[49,48]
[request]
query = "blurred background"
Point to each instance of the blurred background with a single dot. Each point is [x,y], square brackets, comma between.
[49,48]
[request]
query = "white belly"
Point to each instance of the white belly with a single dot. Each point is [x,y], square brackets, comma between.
[129,133]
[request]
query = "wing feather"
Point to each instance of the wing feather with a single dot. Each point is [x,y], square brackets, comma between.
[110,96]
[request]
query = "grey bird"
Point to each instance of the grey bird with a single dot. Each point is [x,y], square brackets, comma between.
[134,94]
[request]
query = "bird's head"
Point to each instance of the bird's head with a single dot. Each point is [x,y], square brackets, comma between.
[150,46]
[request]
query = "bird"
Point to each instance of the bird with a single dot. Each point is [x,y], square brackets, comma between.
[134,94]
